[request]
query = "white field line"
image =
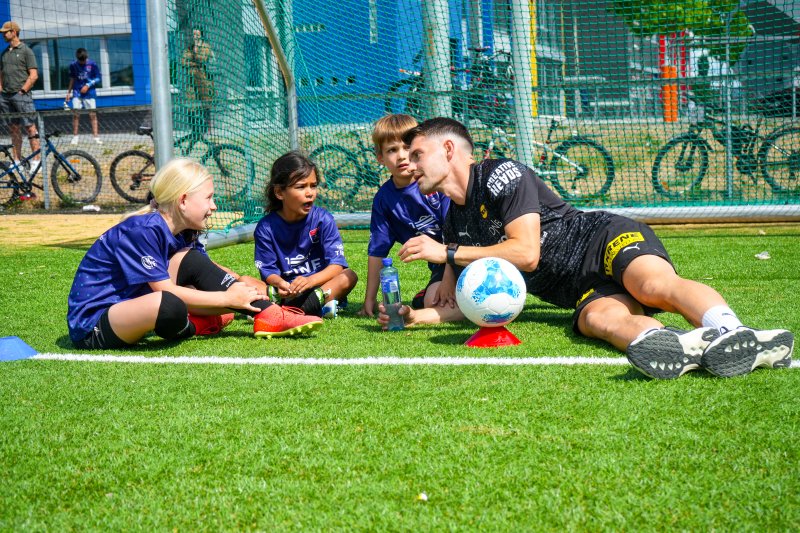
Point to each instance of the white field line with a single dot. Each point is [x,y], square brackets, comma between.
[333,361]
[363,361]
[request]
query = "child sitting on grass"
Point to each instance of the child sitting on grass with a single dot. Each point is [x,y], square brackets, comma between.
[399,212]
[150,273]
[298,248]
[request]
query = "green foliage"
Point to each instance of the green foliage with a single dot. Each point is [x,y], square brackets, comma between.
[704,18]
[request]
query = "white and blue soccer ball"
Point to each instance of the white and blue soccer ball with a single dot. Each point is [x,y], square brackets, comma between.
[490,292]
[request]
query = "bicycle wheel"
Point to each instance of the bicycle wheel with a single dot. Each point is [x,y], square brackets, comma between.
[581,169]
[680,166]
[131,173]
[404,96]
[779,158]
[9,188]
[76,176]
[339,179]
[234,174]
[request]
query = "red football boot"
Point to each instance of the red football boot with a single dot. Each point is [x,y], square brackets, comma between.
[211,324]
[277,321]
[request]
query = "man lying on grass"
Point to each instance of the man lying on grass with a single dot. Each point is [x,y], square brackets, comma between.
[612,270]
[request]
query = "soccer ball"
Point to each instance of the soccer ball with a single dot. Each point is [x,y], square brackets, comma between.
[490,292]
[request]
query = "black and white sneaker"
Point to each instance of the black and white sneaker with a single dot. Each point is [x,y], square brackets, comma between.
[741,350]
[668,354]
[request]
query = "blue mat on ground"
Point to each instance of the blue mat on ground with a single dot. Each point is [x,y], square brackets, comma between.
[14,348]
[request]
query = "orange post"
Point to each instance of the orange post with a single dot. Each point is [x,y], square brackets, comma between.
[669,93]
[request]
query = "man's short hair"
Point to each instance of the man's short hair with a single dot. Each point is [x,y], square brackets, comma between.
[391,128]
[81,54]
[439,126]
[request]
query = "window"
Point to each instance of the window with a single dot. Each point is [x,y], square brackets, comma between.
[255,50]
[112,54]
[61,52]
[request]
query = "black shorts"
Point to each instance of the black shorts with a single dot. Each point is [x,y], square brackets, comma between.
[102,337]
[437,273]
[613,248]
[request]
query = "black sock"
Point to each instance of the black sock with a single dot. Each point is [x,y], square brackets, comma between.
[308,301]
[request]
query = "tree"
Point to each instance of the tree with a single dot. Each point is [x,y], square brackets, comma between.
[706,19]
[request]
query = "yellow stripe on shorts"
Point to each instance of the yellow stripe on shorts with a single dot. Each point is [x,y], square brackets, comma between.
[617,244]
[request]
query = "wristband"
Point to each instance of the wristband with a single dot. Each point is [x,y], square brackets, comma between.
[451,254]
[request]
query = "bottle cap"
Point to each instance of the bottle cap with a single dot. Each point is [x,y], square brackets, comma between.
[387,261]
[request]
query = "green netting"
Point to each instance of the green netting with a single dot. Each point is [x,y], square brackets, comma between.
[628,102]
[616,103]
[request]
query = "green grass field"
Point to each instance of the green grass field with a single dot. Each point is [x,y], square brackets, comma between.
[120,446]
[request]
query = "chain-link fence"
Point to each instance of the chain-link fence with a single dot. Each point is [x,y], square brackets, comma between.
[615,103]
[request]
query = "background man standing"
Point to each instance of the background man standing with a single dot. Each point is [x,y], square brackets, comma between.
[18,74]
[84,77]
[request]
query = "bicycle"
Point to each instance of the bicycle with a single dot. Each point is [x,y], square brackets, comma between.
[682,163]
[132,170]
[345,174]
[484,95]
[579,168]
[75,175]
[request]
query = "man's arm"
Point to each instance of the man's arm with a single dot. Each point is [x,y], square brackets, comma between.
[69,88]
[33,75]
[521,247]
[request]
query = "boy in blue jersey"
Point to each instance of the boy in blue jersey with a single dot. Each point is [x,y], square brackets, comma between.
[150,273]
[298,248]
[84,77]
[400,211]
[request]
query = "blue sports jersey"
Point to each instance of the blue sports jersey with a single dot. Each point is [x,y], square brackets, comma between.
[299,248]
[119,266]
[86,74]
[399,214]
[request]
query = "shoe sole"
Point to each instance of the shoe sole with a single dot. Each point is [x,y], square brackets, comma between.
[288,332]
[745,350]
[666,355]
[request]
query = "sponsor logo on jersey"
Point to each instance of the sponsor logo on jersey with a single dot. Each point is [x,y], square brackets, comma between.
[149,262]
[496,227]
[618,243]
[426,224]
[227,281]
[484,211]
[259,264]
[505,174]
[299,259]
[314,235]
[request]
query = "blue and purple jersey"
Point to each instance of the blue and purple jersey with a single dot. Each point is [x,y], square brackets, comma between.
[298,248]
[86,74]
[399,214]
[119,266]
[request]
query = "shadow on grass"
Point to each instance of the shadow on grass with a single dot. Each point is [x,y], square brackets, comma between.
[77,244]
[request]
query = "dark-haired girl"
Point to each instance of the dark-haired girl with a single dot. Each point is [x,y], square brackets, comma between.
[298,248]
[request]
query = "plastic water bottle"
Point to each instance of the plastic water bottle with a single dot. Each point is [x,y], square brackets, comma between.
[390,286]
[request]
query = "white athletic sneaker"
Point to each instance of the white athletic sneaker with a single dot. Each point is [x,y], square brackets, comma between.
[98,140]
[35,164]
[75,139]
[668,354]
[330,309]
[741,350]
